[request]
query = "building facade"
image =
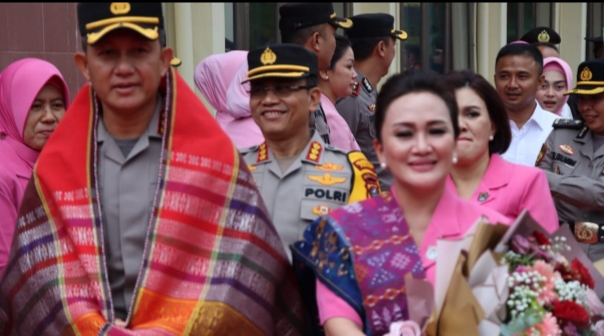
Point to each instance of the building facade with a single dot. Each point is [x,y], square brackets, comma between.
[442,36]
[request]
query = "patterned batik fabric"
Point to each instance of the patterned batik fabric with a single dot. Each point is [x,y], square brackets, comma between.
[213,262]
[362,252]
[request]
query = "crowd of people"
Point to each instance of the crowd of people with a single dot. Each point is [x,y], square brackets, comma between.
[133,210]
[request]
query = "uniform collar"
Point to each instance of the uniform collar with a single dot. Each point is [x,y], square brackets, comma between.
[154,129]
[540,117]
[312,153]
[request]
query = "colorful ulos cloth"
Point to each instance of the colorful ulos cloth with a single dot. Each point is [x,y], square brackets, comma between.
[213,263]
[362,252]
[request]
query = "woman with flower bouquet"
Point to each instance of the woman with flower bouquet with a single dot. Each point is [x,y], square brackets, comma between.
[548,294]
[358,265]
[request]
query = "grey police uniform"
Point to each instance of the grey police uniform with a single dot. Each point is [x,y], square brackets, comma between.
[358,111]
[321,179]
[576,178]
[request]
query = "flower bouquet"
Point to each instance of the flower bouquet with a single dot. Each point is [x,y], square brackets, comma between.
[514,281]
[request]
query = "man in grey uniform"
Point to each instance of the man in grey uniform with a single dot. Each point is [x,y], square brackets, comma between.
[373,39]
[573,159]
[299,176]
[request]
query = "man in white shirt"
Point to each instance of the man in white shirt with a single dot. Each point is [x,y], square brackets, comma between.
[518,76]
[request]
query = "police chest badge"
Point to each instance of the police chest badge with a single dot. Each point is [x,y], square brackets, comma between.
[567,149]
[372,107]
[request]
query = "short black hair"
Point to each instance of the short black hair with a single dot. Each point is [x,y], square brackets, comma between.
[300,36]
[546,44]
[363,47]
[527,50]
[161,32]
[342,44]
[411,81]
[495,106]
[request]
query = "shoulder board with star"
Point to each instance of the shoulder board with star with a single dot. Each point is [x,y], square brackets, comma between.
[568,124]
[244,151]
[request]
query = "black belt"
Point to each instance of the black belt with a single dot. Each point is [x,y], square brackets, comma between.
[587,232]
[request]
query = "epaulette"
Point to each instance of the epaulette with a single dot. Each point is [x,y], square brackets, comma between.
[332,148]
[568,123]
[244,151]
[367,85]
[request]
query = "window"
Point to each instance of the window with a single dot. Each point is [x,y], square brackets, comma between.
[251,25]
[524,16]
[439,36]
[595,28]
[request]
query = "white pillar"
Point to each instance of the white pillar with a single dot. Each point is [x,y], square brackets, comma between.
[491,31]
[572,19]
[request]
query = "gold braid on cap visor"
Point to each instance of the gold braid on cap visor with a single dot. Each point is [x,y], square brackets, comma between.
[122,22]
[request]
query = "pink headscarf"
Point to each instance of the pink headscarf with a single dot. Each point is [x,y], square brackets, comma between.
[219,78]
[20,83]
[213,76]
[519,42]
[555,63]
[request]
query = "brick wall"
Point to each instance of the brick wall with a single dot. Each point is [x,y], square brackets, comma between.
[43,30]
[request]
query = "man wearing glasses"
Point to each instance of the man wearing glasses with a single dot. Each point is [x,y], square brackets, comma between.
[299,176]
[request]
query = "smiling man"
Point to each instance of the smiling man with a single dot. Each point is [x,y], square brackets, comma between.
[299,176]
[141,217]
[518,76]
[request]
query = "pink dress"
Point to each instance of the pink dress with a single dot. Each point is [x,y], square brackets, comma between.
[452,217]
[20,83]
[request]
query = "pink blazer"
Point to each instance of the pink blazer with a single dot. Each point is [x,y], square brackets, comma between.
[510,188]
[452,218]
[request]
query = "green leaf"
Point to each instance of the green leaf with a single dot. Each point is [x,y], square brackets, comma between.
[529,318]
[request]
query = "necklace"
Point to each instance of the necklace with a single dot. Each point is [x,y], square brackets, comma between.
[99,222]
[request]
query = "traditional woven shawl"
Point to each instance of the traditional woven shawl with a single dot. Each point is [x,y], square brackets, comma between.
[213,263]
[362,252]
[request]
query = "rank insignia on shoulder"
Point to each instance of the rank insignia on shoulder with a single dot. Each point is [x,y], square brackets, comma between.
[262,153]
[367,85]
[567,149]
[314,151]
[327,179]
[568,123]
[329,167]
[356,89]
[320,210]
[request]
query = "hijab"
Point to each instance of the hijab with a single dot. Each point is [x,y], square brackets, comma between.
[20,84]
[213,76]
[555,63]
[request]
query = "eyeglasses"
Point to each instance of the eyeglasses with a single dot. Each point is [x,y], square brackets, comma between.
[279,90]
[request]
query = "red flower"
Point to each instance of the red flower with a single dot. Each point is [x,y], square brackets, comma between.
[571,312]
[581,273]
[541,238]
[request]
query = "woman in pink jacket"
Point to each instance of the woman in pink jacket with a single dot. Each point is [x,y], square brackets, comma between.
[335,83]
[33,99]
[213,77]
[480,174]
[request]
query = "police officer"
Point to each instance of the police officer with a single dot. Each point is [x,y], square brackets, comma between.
[598,48]
[545,39]
[299,176]
[373,39]
[573,158]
